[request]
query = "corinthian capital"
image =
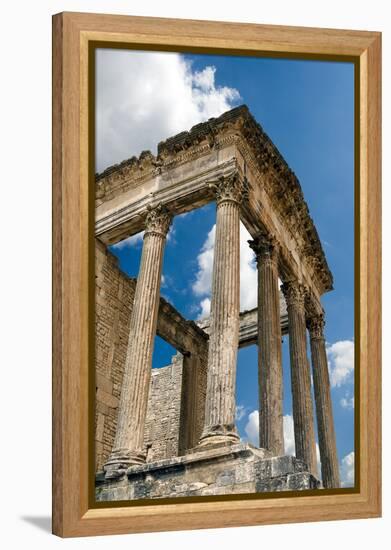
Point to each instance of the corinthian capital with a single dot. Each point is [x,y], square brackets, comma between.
[294,293]
[158,220]
[265,247]
[229,188]
[315,325]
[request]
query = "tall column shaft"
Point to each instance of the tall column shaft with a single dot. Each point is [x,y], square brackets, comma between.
[224,327]
[303,417]
[271,430]
[129,438]
[324,411]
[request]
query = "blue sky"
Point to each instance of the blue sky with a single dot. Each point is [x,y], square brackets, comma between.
[307,109]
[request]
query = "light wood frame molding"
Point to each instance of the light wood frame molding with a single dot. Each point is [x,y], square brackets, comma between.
[73,514]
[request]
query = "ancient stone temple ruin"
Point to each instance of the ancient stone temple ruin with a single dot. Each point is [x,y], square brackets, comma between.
[171,431]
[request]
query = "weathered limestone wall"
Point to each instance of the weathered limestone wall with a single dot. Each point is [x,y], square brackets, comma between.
[161,437]
[193,396]
[114,295]
[176,409]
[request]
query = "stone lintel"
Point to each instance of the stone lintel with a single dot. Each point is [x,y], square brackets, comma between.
[179,177]
[182,334]
[181,191]
[248,324]
[186,336]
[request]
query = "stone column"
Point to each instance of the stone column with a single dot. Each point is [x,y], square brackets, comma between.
[324,411]
[129,437]
[219,424]
[271,430]
[303,417]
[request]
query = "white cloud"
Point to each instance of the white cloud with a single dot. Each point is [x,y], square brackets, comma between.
[240,412]
[289,440]
[252,431]
[130,241]
[252,428]
[171,235]
[341,362]
[205,308]
[248,272]
[205,79]
[203,282]
[346,470]
[347,402]
[145,97]
[318,461]
[289,435]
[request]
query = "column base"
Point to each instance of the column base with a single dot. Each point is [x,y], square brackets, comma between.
[218,436]
[120,460]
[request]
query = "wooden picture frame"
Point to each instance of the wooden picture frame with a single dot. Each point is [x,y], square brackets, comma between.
[73,514]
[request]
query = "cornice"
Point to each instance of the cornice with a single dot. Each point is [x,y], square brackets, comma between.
[263,158]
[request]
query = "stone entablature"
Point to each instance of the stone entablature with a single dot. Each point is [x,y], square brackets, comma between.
[181,176]
[248,324]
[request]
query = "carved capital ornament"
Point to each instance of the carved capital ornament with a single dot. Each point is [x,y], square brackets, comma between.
[315,326]
[229,188]
[158,220]
[294,293]
[265,247]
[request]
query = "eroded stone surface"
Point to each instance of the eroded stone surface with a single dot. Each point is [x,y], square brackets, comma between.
[237,469]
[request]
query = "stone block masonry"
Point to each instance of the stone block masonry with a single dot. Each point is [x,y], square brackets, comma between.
[161,437]
[233,469]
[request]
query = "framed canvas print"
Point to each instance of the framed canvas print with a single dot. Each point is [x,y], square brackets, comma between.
[216,229]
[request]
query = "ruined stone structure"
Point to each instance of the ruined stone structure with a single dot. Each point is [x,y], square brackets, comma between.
[171,432]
